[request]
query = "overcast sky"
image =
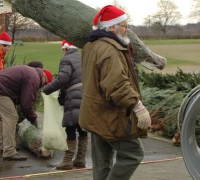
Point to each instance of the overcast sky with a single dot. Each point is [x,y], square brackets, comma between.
[139,9]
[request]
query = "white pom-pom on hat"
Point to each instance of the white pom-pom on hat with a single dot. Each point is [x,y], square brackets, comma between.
[94,28]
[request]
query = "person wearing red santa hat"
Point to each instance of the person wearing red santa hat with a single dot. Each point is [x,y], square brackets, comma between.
[69,81]
[111,107]
[18,86]
[5,43]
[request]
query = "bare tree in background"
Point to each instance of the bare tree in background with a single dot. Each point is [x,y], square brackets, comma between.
[98,8]
[195,10]
[147,21]
[117,4]
[165,18]
[15,22]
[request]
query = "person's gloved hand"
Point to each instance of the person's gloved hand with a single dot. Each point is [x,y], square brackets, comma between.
[144,120]
[35,123]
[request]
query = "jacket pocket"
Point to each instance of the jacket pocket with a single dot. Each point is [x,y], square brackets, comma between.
[125,126]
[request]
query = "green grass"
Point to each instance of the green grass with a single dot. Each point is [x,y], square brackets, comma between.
[177,52]
[49,53]
[39,108]
[175,62]
[172,41]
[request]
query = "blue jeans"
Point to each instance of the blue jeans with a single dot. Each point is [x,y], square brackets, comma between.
[129,154]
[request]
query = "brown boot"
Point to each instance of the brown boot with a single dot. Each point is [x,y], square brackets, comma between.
[67,163]
[80,161]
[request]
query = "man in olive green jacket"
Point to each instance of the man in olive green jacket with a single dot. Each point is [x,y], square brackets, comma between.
[111,107]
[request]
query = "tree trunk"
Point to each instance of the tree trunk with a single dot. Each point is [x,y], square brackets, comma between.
[73,20]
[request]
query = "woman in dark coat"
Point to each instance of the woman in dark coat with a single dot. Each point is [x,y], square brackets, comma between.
[69,79]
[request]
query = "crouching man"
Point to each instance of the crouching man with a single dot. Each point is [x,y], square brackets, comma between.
[18,85]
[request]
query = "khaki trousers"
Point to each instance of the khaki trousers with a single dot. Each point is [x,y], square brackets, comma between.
[129,154]
[8,122]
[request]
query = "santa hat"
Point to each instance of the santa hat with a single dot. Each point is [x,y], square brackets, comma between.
[48,75]
[108,16]
[5,39]
[67,45]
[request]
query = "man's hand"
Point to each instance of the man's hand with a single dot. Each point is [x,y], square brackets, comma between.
[144,120]
[35,123]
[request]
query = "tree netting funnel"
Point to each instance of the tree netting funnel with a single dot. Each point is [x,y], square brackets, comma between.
[189,146]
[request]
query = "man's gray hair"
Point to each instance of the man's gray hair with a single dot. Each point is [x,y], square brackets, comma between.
[107,29]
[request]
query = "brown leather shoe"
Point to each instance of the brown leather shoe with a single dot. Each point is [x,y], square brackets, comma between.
[16,157]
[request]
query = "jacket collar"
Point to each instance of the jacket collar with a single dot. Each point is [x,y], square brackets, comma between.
[97,34]
[114,43]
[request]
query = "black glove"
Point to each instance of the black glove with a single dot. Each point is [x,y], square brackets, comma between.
[35,123]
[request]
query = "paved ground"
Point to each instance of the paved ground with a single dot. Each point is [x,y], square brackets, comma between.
[162,161]
[166,170]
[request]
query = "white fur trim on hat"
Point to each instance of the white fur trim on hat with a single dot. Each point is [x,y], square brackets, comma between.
[67,46]
[113,21]
[5,42]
